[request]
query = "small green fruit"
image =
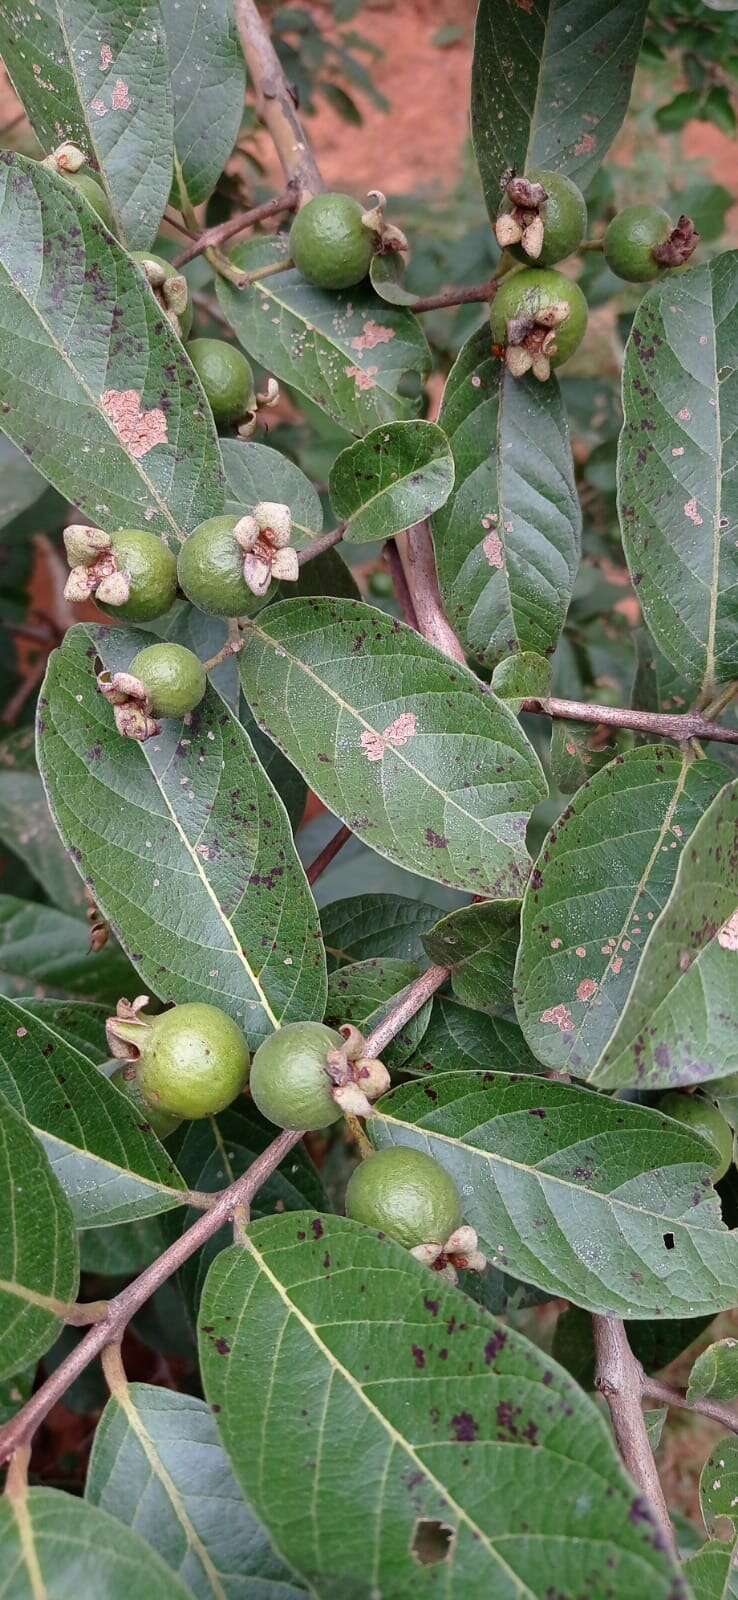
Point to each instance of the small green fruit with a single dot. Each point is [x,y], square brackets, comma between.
[94,194]
[631,239]
[226,377]
[406,1194]
[704,1117]
[194,1061]
[289,1083]
[151,570]
[162,1122]
[563,214]
[173,677]
[210,571]
[329,243]
[161,268]
[532,292]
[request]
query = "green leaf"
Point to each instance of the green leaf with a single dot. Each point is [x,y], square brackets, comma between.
[508,539]
[718,109]
[102,81]
[570,755]
[550,85]
[479,944]
[39,1262]
[592,1199]
[119,424]
[48,952]
[375,925]
[672,118]
[208,84]
[255,472]
[363,992]
[395,476]
[675,1027]
[347,352]
[55,1545]
[605,871]
[403,745]
[676,483]
[22,484]
[79,1023]
[712,1572]
[158,1466]
[458,1039]
[522,677]
[107,1159]
[715,1372]
[719,1487]
[421,1416]
[27,829]
[657,685]
[188,848]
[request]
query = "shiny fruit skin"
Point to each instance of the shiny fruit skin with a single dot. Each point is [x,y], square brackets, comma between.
[531,290]
[564,216]
[162,1123]
[289,1083]
[696,1112]
[226,377]
[210,571]
[195,1061]
[630,240]
[152,570]
[185,318]
[94,194]
[405,1194]
[329,244]
[173,677]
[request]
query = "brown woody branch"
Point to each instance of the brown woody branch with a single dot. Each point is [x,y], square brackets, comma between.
[415,548]
[455,297]
[276,103]
[213,238]
[619,1377]
[690,725]
[327,854]
[236,1199]
[318,547]
[664,1395]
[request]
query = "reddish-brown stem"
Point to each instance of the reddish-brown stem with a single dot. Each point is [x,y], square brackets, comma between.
[619,1378]
[664,1395]
[456,297]
[214,237]
[176,222]
[419,566]
[317,547]
[421,990]
[690,725]
[276,104]
[120,1310]
[402,593]
[324,859]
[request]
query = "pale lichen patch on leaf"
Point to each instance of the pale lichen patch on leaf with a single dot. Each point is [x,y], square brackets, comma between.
[560,1016]
[690,511]
[137,429]
[727,936]
[363,380]
[398,733]
[373,334]
[121,96]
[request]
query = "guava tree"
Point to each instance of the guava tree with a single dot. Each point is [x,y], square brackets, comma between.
[351,1151]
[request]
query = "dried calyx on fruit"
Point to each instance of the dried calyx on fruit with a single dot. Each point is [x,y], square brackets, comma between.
[164,680]
[191,1061]
[69,162]
[543,216]
[356,1078]
[387,236]
[538,317]
[170,289]
[640,243]
[264,536]
[132,571]
[306,1074]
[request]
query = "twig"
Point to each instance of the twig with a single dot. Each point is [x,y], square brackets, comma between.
[619,1378]
[25,689]
[419,566]
[664,1395]
[120,1310]
[245,219]
[690,725]
[421,990]
[455,297]
[402,593]
[317,547]
[275,103]
[176,222]
[324,859]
